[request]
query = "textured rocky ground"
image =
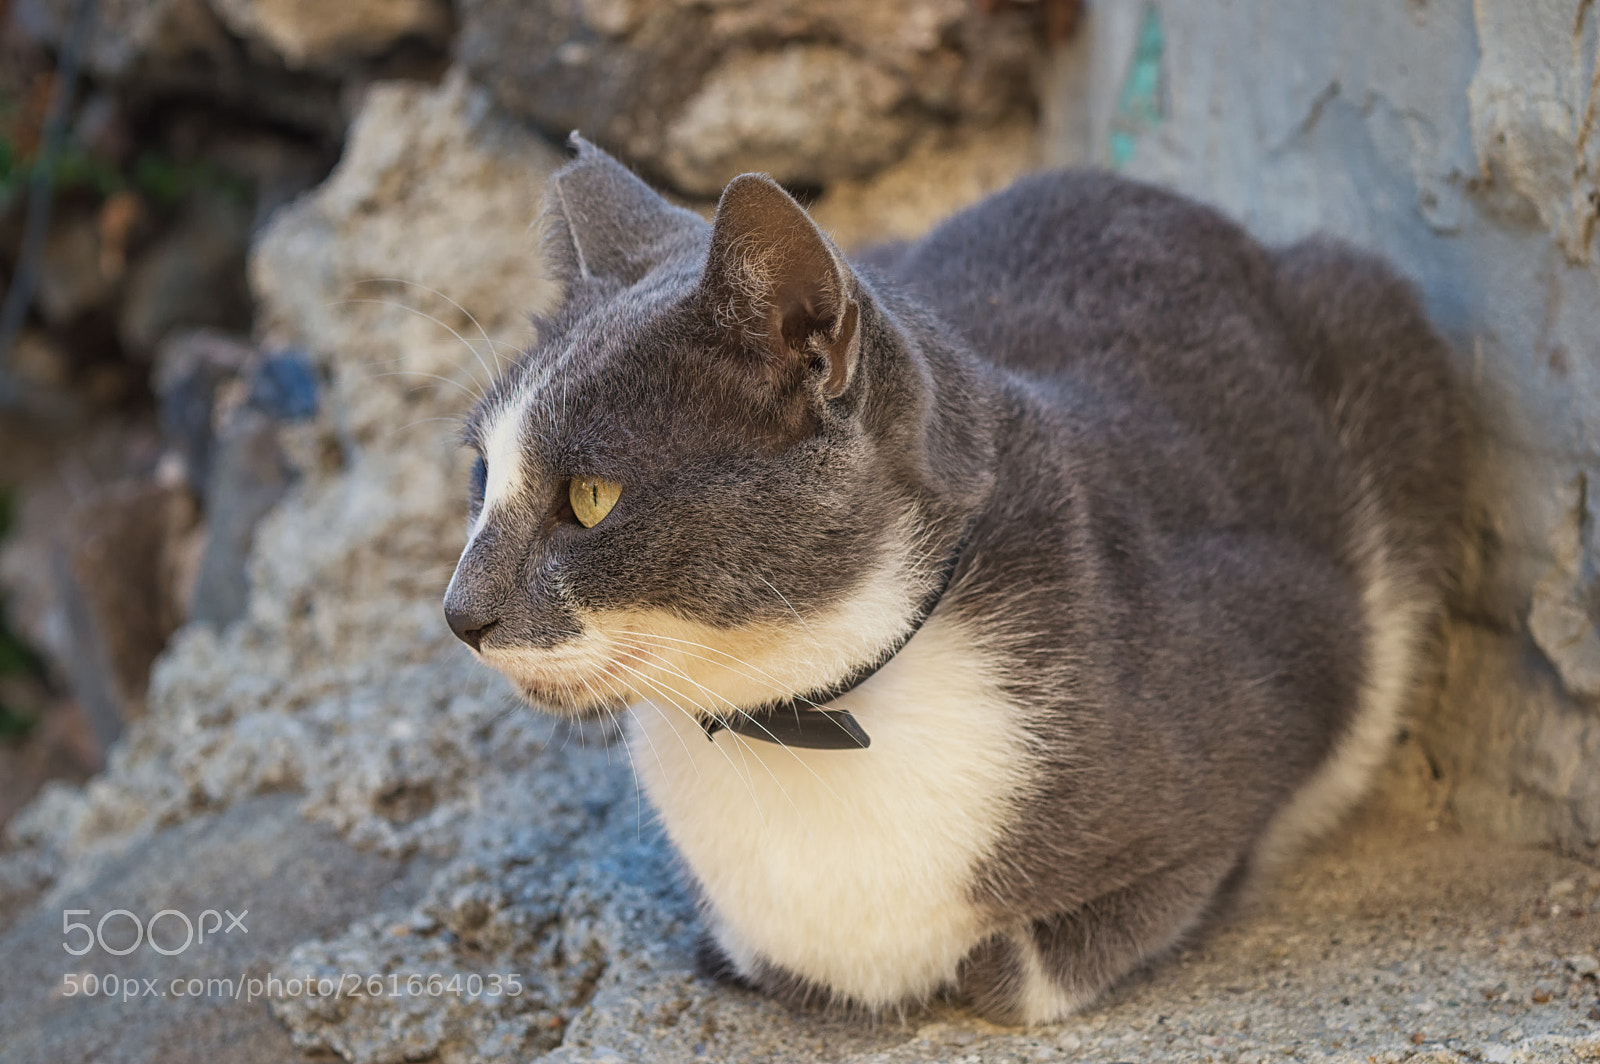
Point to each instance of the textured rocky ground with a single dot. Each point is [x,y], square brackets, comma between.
[1399,939]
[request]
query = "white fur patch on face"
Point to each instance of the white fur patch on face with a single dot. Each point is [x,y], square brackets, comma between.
[709,671]
[502,457]
[850,868]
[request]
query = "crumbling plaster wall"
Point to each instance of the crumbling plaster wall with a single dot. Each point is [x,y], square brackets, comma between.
[1458,139]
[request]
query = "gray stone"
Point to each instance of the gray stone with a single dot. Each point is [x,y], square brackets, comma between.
[247,475]
[257,857]
[312,33]
[136,39]
[1455,139]
[698,93]
[193,275]
[942,173]
[113,571]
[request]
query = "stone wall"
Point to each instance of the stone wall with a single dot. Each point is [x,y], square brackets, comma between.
[1461,141]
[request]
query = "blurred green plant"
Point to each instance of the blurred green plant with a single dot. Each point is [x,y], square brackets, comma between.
[163,180]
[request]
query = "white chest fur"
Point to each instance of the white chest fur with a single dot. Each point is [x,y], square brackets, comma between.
[851,868]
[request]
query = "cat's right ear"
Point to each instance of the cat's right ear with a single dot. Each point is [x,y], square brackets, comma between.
[779,283]
[603,223]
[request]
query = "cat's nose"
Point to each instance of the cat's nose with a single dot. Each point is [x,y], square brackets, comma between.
[469,625]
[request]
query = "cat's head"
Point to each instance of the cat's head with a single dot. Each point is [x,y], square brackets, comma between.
[722,477]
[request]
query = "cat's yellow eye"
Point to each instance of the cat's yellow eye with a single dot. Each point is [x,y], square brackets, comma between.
[592,498]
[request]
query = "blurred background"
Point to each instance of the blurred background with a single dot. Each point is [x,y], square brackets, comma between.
[145,143]
[257,256]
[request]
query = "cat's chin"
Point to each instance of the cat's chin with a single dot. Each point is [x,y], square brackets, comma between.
[566,702]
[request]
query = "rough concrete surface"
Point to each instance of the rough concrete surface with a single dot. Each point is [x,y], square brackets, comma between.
[1459,140]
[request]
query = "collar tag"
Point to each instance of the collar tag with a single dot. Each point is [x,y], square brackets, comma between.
[806,729]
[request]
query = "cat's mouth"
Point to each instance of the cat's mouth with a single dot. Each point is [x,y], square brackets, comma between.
[574,687]
[567,699]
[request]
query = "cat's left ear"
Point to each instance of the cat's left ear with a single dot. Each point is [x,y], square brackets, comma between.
[776,278]
[602,222]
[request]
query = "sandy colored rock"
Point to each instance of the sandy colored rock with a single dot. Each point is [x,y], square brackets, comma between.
[942,174]
[697,93]
[810,113]
[308,33]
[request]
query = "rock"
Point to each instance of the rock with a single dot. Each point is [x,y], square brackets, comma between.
[131,40]
[113,572]
[1583,964]
[192,370]
[339,680]
[1532,121]
[72,281]
[697,93]
[1449,137]
[413,220]
[192,275]
[248,474]
[939,176]
[313,33]
[286,877]
[809,113]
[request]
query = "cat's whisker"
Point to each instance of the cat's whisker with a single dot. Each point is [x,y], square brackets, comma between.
[786,602]
[787,696]
[742,746]
[754,679]
[652,743]
[434,291]
[680,674]
[622,733]
[392,433]
[746,779]
[429,317]
[442,324]
[468,392]
[622,694]
[765,678]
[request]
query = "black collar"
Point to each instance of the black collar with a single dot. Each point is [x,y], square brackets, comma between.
[801,721]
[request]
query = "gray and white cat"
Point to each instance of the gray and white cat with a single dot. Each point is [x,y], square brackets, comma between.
[1081,555]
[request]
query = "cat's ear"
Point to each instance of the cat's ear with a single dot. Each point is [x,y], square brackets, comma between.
[774,276]
[602,222]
